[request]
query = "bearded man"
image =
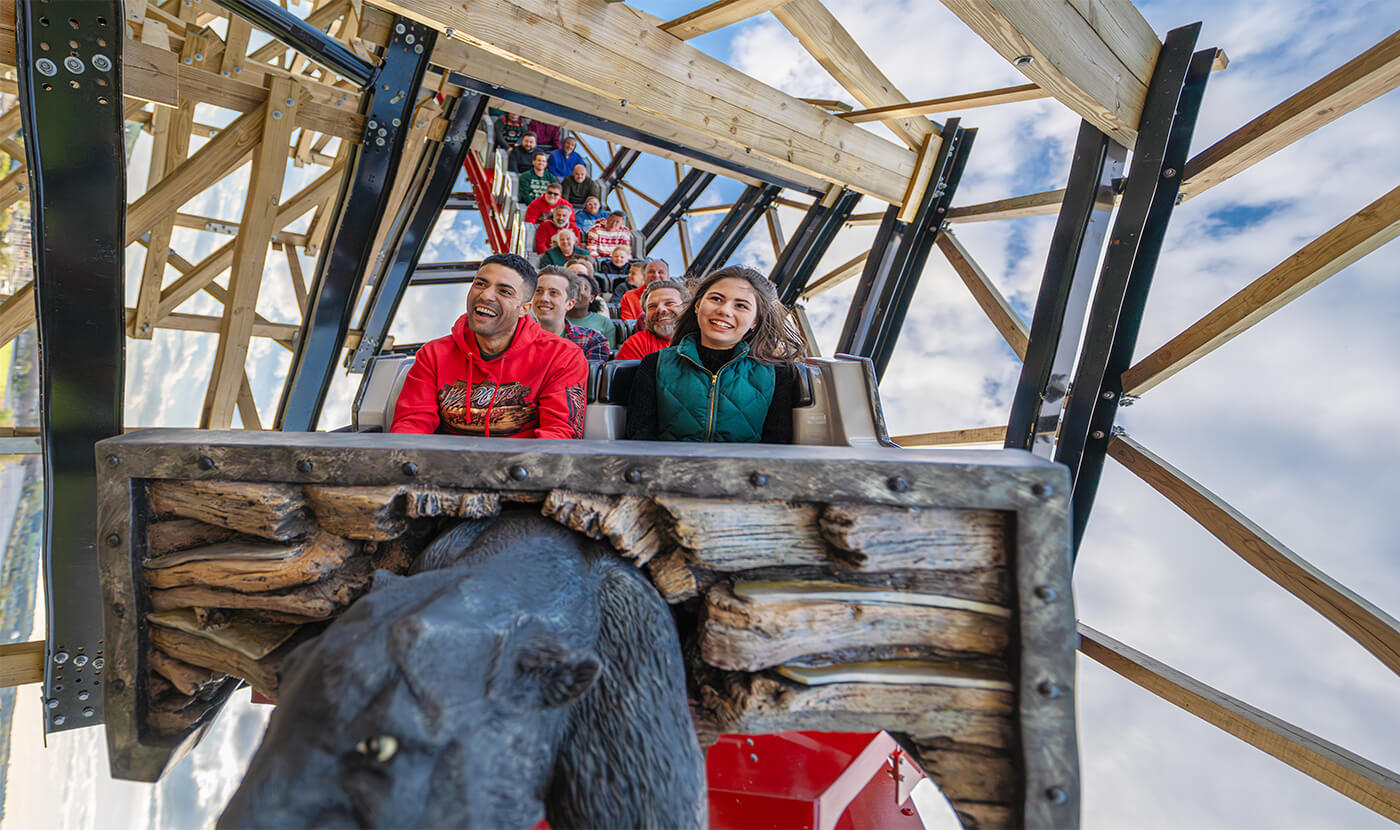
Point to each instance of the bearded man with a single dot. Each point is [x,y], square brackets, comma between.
[662,304]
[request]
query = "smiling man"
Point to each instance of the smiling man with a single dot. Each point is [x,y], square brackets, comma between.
[498,374]
[556,294]
[662,304]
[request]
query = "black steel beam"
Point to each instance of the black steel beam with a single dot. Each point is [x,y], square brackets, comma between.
[1154,180]
[69,62]
[388,107]
[444,273]
[897,259]
[1063,301]
[588,119]
[800,256]
[618,166]
[310,41]
[733,229]
[675,206]
[432,185]
[461,200]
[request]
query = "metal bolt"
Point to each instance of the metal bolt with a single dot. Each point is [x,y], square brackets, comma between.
[379,142]
[46,67]
[58,720]
[373,124]
[60,657]
[289,101]
[1057,795]
[1169,173]
[409,468]
[238,70]
[383,131]
[1048,688]
[1024,60]
[1042,490]
[113,461]
[749,741]
[418,48]
[101,63]
[188,60]
[80,660]
[74,65]
[1096,434]
[84,694]
[205,462]
[623,102]
[758,479]
[225,73]
[897,484]
[1108,394]
[88,711]
[753,757]
[450,32]
[399,28]
[276,115]
[119,684]
[304,466]
[396,122]
[98,663]
[1046,593]
[519,473]
[634,476]
[114,540]
[119,610]
[199,56]
[53,703]
[409,38]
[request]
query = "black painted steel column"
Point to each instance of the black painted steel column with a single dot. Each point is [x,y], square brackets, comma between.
[733,228]
[437,172]
[809,243]
[1063,301]
[69,62]
[618,165]
[675,206]
[897,259]
[364,197]
[1154,179]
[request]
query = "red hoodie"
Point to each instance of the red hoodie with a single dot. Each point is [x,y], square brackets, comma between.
[535,389]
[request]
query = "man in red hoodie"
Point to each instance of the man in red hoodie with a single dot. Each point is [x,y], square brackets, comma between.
[498,374]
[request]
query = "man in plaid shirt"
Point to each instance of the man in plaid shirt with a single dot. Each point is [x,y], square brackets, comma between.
[608,234]
[555,294]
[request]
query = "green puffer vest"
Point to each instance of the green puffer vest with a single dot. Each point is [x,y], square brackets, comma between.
[694,405]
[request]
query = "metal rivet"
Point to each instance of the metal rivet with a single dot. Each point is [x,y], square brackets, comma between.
[113,461]
[98,663]
[409,468]
[749,741]
[399,28]
[897,484]
[119,610]
[276,115]
[238,70]
[304,466]
[634,476]
[1096,434]
[58,720]
[379,142]
[74,65]
[1048,688]
[188,60]
[119,684]
[753,757]
[1046,593]
[373,124]
[84,694]
[88,711]
[1108,394]
[1169,173]
[383,131]
[409,38]
[101,62]
[623,102]
[199,56]
[1057,795]
[60,657]
[519,473]
[80,660]
[114,539]
[758,479]
[225,73]
[1024,60]
[1042,490]
[396,122]
[418,48]
[53,703]
[289,101]
[205,462]
[46,67]
[450,32]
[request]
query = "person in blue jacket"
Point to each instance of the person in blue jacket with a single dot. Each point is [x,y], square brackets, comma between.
[563,160]
[728,374]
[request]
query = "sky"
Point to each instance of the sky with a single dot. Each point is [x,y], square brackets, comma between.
[1291,422]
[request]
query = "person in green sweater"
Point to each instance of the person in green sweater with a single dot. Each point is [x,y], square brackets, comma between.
[584,313]
[534,181]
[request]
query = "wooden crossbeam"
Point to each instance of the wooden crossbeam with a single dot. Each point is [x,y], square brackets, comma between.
[1357,236]
[1367,76]
[949,437]
[1375,630]
[247,407]
[21,663]
[1094,56]
[1034,204]
[1368,784]
[837,275]
[952,103]
[992,302]
[297,276]
[250,252]
[616,52]
[17,313]
[826,40]
[716,15]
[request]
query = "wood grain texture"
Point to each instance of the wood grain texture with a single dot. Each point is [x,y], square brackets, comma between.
[315,559]
[734,535]
[1365,231]
[1374,629]
[950,437]
[190,680]
[198,651]
[951,103]
[1014,330]
[182,534]
[716,15]
[272,511]
[320,600]
[1016,207]
[873,538]
[21,663]
[631,524]
[850,268]
[17,313]
[1368,784]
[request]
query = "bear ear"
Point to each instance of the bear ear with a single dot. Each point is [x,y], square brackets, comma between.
[563,675]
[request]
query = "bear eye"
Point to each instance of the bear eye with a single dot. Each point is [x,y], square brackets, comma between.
[380,748]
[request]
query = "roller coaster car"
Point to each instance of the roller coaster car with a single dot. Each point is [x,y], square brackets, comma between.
[835,400]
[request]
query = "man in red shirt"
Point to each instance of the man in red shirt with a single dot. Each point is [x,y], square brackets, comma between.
[498,374]
[630,306]
[558,219]
[539,210]
[663,300]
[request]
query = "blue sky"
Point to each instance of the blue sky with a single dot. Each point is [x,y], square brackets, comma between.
[1292,422]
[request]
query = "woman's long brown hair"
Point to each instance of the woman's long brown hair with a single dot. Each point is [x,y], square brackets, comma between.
[773,339]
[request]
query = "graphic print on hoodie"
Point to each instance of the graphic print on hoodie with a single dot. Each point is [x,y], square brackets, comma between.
[534,389]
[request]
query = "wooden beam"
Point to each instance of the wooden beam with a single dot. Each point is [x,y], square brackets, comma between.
[1094,56]
[247,407]
[1370,228]
[17,313]
[1368,76]
[1012,328]
[250,252]
[827,40]
[830,104]
[616,52]
[953,103]
[717,15]
[1368,784]
[918,183]
[1034,204]
[21,663]
[949,437]
[837,275]
[298,278]
[235,45]
[1375,630]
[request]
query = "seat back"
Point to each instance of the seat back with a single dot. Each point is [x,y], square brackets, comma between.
[373,410]
[843,408]
[606,416]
